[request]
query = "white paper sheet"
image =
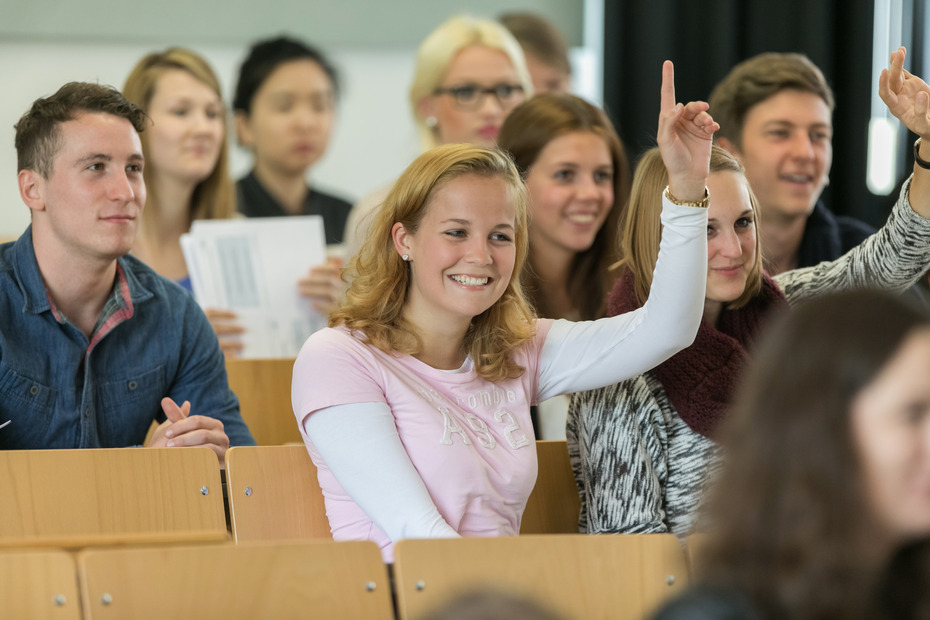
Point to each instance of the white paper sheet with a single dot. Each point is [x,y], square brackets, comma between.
[251,266]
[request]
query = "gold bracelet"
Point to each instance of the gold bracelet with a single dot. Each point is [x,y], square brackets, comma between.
[701,204]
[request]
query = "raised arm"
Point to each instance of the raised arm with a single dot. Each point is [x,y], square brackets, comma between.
[685,136]
[899,253]
[893,259]
[584,356]
[908,98]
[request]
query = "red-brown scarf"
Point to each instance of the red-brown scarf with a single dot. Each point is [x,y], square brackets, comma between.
[701,380]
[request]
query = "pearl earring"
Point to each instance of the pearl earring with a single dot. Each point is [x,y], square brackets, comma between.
[405,257]
[431,121]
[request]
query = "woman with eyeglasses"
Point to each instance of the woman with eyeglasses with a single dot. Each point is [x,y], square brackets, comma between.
[470,74]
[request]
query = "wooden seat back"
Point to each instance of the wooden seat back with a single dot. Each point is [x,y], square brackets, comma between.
[75,498]
[263,387]
[554,505]
[274,494]
[320,579]
[39,585]
[576,576]
[694,551]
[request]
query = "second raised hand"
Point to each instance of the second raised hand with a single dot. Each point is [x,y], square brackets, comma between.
[906,95]
[684,136]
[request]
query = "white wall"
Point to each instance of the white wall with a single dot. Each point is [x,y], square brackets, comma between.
[45,43]
[373,141]
[356,24]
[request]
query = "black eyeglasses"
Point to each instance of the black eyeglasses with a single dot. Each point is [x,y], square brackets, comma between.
[470,96]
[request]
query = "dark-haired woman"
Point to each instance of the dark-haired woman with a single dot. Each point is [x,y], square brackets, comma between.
[285,108]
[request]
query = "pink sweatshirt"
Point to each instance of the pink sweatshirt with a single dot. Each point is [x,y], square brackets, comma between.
[470,440]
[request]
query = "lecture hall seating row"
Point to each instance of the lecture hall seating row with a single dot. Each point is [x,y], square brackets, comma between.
[90,510]
[76,498]
[274,494]
[101,505]
[576,576]
[294,580]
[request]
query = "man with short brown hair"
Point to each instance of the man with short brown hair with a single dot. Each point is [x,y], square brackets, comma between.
[94,345]
[775,115]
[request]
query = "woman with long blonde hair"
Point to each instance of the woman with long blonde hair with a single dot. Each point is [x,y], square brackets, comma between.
[186,156]
[414,403]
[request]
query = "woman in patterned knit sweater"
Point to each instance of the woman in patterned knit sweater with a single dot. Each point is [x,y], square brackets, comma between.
[643,449]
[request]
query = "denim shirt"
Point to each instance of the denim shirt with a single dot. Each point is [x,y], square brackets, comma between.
[59,389]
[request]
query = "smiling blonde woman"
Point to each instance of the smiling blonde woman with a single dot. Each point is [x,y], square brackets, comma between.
[415,402]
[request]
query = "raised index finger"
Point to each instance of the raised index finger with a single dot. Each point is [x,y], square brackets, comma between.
[667,100]
[896,69]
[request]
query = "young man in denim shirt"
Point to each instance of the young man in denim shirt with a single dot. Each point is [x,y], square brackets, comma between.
[94,345]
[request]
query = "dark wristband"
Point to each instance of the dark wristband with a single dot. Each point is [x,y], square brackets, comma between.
[920,162]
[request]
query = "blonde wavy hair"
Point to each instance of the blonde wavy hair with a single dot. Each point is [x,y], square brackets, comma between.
[439,49]
[214,197]
[380,278]
[642,228]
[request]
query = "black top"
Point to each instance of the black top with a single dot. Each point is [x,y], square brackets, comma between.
[828,236]
[253,200]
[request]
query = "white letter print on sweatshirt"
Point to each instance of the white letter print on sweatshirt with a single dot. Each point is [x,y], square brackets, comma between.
[483,433]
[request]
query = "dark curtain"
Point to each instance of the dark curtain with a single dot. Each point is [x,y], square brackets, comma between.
[705,38]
